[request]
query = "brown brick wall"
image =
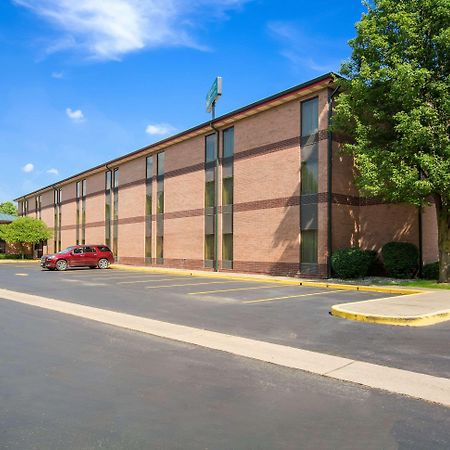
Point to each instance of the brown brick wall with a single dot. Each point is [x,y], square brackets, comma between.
[266,202]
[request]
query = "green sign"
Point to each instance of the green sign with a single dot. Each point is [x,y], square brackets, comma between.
[214,93]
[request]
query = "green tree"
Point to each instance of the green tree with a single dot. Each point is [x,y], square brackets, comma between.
[395,106]
[25,230]
[8,208]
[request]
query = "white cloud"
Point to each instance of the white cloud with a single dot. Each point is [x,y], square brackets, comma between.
[53,171]
[76,116]
[27,168]
[110,29]
[159,129]
[57,75]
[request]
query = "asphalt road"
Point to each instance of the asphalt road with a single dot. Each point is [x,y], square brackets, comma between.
[67,383]
[288,315]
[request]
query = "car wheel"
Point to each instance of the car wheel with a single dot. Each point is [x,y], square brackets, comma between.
[61,265]
[103,264]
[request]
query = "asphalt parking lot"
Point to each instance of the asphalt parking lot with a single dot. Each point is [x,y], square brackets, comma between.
[67,383]
[290,315]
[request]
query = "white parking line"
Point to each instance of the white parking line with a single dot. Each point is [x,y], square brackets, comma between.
[286,297]
[398,381]
[191,284]
[238,289]
[145,281]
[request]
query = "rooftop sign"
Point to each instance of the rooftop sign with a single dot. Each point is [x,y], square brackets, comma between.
[214,93]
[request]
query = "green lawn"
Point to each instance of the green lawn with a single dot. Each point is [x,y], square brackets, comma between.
[384,281]
[430,284]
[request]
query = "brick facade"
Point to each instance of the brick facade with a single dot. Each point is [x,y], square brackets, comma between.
[266,205]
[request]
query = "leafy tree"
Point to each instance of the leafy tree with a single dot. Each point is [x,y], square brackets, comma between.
[395,105]
[25,230]
[8,208]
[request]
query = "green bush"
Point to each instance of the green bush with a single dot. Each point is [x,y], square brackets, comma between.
[400,259]
[352,262]
[431,271]
[14,256]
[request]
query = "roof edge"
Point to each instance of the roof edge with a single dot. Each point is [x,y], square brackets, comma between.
[324,77]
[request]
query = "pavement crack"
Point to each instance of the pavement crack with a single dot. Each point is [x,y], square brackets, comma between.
[339,368]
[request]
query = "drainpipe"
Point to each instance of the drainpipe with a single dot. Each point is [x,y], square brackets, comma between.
[216,208]
[331,94]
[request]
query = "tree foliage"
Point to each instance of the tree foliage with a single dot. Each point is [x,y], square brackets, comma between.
[25,230]
[8,208]
[395,105]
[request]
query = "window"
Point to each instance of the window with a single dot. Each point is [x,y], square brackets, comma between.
[78,251]
[309,247]
[309,187]
[108,187]
[39,206]
[210,200]
[160,161]
[148,206]
[89,250]
[310,116]
[309,170]
[227,198]
[115,234]
[81,212]
[57,199]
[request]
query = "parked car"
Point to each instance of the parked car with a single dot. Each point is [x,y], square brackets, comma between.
[79,256]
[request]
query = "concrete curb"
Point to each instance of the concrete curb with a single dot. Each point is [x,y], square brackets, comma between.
[422,320]
[15,261]
[267,279]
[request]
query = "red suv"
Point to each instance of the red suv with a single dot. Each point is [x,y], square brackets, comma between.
[79,256]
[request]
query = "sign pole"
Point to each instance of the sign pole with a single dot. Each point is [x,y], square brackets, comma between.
[211,99]
[216,209]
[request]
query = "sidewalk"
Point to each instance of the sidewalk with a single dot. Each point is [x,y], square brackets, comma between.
[419,309]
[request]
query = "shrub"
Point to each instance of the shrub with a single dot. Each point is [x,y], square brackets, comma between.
[431,271]
[400,259]
[14,256]
[352,262]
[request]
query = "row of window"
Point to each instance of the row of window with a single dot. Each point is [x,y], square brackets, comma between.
[308,198]
[112,209]
[309,186]
[57,199]
[211,203]
[81,212]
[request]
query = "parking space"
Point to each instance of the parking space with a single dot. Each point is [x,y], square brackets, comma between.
[205,288]
[296,316]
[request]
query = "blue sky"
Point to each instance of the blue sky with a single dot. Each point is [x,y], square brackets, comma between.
[85,81]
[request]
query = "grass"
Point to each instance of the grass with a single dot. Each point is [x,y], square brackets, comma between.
[385,281]
[426,284]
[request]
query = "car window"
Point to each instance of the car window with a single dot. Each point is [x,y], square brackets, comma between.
[77,251]
[89,250]
[66,250]
[103,248]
